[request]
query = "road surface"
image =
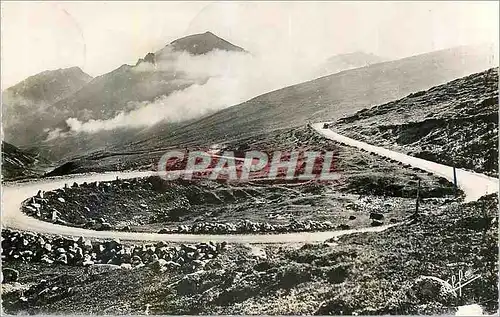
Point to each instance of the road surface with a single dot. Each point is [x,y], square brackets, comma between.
[474,185]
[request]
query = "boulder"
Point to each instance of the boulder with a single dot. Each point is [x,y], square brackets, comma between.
[45,259]
[87,260]
[136,260]
[427,289]
[113,244]
[48,247]
[105,226]
[376,223]
[158,265]
[376,216]
[62,259]
[9,275]
[126,266]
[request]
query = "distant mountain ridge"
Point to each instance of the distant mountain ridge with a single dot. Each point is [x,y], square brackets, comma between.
[105,96]
[330,97]
[341,62]
[25,105]
[51,85]
[324,99]
[195,44]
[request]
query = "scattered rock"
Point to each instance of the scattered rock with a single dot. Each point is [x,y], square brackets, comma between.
[377,223]
[376,216]
[9,275]
[126,228]
[126,266]
[344,227]
[62,259]
[65,251]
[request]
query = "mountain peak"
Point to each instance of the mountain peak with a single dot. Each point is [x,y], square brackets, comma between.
[51,85]
[202,43]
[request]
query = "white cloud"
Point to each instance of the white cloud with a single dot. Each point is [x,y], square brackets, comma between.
[233,78]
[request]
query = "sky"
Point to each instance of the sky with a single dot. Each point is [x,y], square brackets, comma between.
[101,36]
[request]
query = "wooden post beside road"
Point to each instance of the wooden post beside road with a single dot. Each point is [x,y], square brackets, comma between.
[455,180]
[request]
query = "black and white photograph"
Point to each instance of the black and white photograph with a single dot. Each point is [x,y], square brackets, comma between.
[249,158]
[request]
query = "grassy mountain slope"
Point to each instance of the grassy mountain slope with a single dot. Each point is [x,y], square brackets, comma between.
[329,97]
[455,123]
[18,164]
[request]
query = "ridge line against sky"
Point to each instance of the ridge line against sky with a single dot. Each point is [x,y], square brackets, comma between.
[100,36]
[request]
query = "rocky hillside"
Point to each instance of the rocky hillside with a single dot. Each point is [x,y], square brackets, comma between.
[411,269]
[18,164]
[26,105]
[368,185]
[455,123]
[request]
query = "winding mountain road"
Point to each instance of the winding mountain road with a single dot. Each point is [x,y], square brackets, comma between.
[474,185]
[13,194]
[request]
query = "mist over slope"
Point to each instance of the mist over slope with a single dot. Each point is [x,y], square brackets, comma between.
[324,99]
[155,76]
[125,89]
[454,124]
[200,84]
[330,97]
